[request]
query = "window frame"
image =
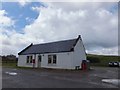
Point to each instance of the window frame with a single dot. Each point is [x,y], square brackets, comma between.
[52,59]
[49,59]
[29,59]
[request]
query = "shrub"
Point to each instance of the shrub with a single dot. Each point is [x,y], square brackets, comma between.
[93,59]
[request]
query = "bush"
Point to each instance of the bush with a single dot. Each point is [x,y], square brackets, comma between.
[93,59]
[9,59]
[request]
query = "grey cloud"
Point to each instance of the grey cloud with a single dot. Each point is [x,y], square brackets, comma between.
[93,21]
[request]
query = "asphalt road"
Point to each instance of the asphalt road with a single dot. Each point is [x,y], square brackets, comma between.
[43,78]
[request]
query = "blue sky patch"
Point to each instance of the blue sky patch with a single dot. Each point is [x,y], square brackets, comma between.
[114,8]
[23,15]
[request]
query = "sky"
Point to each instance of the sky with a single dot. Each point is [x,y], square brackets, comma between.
[23,23]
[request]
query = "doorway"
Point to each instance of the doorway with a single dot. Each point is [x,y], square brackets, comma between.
[39,60]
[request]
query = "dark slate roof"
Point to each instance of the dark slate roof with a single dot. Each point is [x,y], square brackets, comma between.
[53,47]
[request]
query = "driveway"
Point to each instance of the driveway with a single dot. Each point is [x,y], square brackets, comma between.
[44,78]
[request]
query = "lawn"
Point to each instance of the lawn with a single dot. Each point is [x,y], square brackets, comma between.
[9,64]
[102,60]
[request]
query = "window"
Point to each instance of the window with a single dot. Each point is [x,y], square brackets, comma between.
[49,59]
[29,59]
[52,59]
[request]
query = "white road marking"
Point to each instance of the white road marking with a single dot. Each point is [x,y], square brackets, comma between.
[112,81]
[11,73]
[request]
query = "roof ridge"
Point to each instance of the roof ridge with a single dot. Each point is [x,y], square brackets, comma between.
[54,42]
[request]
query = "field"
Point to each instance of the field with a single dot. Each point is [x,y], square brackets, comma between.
[9,63]
[101,60]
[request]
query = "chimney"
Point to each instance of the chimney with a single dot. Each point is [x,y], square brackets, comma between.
[79,36]
[31,44]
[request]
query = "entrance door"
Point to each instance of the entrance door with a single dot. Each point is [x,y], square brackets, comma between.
[39,60]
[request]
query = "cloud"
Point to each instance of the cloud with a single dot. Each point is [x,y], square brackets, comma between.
[23,2]
[86,21]
[29,20]
[58,21]
[104,51]
[4,20]
[35,8]
[7,39]
[13,42]
[94,21]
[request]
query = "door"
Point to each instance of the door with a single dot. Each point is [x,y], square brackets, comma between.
[39,60]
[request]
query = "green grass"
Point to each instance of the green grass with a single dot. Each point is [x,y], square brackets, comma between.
[9,64]
[103,60]
[13,65]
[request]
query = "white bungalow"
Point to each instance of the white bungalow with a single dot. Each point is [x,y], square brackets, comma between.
[67,54]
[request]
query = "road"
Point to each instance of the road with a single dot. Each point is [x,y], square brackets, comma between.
[44,78]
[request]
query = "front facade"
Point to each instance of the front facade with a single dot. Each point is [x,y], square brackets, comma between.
[61,56]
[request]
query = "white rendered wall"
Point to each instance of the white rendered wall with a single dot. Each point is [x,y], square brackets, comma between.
[63,61]
[22,61]
[79,54]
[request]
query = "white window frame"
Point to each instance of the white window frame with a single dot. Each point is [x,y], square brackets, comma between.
[52,59]
[29,59]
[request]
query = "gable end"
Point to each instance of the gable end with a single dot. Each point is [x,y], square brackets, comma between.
[72,49]
[25,48]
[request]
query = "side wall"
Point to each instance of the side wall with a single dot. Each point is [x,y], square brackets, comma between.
[63,60]
[22,61]
[79,54]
